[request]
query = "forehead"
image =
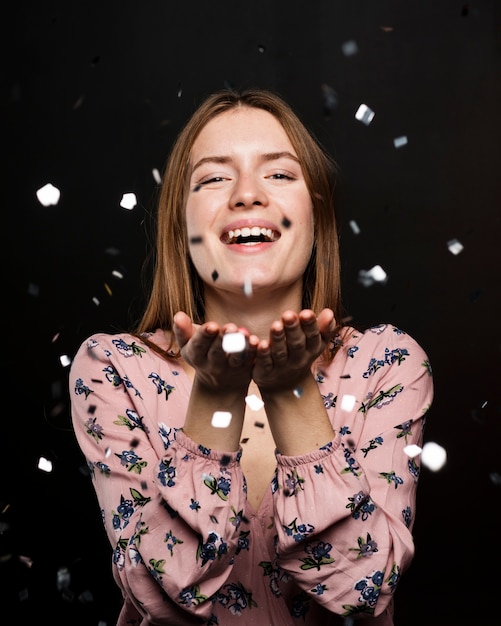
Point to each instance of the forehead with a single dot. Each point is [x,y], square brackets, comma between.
[243,128]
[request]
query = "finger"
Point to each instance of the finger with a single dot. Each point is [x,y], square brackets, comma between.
[294,333]
[183,328]
[278,344]
[326,324]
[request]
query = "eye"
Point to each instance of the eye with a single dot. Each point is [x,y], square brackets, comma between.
[214,179]
[282,176]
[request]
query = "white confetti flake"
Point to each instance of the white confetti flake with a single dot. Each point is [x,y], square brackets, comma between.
[354,227]
[107,453]
[455,246]
[254,403]
[65,360]
[117,274]
[347,402]
[44,464]
[364,114]
[156,175]
[233,342]
[128,201]
[48,195]
[349,48]
[33,290]
[412,450]
[433,456]
[398,142]
[298,392]
[248,287]
[96,301]
[221,419]
[375,275]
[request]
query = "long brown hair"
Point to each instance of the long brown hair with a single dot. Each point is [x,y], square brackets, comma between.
[176,284]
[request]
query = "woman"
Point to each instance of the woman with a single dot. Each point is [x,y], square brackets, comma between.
[295,511]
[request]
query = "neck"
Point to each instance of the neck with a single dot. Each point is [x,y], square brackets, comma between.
[255,312]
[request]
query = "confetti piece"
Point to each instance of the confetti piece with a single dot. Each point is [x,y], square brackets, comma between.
[261,49]
[495,478]
[347,402]
[221,419]
[286,222]
[233,342]
[412,450]
[44,464]
[225,459]
[197,188]
[65,360]
[349,48]
[96,301]
[108,289]
[214,275]
[354,227]
[33,290]
[63,578]
[254,403]
[195,240]
[245,440]
[48,195]
[455,246]
[330,99]
[375,275]
[156,175]
[248,287]
[259,424]
[365,114]
[398,142]
[128,201]
[298,392]
[433,456]
[117,274]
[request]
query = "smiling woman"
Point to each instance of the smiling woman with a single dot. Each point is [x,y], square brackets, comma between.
[298,506]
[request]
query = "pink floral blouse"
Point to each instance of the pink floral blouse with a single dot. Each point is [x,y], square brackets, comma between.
[333,534]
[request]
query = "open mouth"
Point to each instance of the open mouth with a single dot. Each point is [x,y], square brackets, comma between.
[250,235]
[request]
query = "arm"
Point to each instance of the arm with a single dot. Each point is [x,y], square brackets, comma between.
[344,513]
[164,499]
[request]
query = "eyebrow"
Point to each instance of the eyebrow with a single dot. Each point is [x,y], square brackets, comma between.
[267,156]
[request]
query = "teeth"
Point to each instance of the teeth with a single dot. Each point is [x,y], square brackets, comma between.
[255,231]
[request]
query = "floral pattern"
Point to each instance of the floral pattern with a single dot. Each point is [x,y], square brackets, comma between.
[332,536]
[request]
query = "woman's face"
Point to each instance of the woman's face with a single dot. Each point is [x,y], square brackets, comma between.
[249,213]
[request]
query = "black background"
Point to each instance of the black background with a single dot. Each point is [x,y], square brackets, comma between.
[93,94]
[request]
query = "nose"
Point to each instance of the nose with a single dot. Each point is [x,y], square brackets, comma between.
[247,193]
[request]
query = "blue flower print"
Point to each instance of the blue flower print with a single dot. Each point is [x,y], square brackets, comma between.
[161,385]
[373,444]
[94,429]
[361,506]
[171,541]
[329,400]
[414,470]
[293,483]
[80,388]
[132,420]
[195,505]
[381,399]
[167,435]
[167,473]
[112,376]
[319,589]
[190,596]
[351,351]
[391,477]
[128,350]
[132,461]
[121,516]
[237,598]
[214,547]
[243,541]
[393,577]
[298,532]
[319,555]
[405,428]
[366,547]
[220,486]
[407,516]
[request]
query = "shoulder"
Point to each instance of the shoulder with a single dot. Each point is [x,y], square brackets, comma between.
[382,342]
[125,345]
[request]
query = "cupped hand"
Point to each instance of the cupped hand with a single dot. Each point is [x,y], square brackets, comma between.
[201,347]
[296,341]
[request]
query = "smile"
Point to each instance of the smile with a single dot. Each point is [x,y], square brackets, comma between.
[252,235]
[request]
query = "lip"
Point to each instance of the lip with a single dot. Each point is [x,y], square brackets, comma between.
[250,223]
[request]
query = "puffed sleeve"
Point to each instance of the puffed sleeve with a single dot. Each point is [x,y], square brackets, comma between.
[344,513]
[170,507]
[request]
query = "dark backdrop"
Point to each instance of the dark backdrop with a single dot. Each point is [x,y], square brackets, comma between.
[92,95]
